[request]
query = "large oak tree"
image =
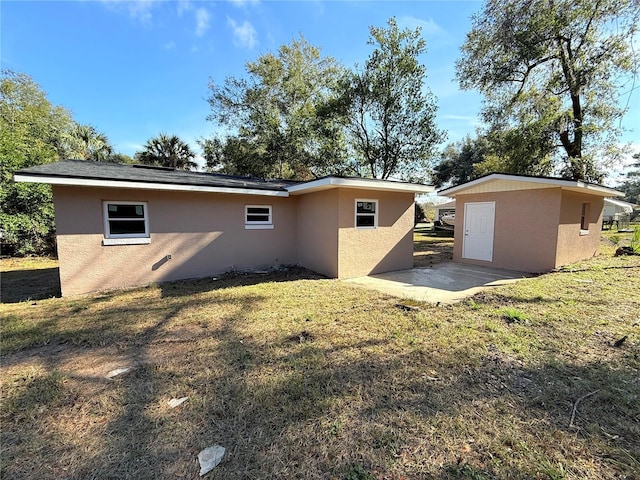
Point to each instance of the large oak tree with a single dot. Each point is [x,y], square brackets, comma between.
[554,68]
[274,119]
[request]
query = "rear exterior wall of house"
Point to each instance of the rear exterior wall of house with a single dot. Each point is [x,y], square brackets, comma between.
[317,234]
[385,248]
[195,234]
[192,235]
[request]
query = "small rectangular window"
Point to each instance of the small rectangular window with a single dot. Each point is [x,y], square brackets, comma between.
[366,213]
[584,219]
[257,217]
[125,223]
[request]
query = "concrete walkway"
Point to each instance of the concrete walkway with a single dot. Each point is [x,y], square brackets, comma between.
[443,283]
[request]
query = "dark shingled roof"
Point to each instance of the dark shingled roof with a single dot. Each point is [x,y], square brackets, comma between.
[85,169]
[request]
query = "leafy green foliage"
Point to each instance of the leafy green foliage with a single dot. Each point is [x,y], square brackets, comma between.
[459,160]
[34,132]
[300,115]
[31,133]
[512,315]
[390,112]
[283,127]
[167,151]
[551,72]
[84,142]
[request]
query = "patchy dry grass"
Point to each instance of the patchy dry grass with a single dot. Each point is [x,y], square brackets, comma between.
[431,247]
[30,278]
[303,377]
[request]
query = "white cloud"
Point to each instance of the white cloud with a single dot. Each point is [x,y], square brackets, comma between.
[170,45]
[243,35]
[183,6]
[429,27]
[471,119]
[139,10]
[243,3]
[202,21]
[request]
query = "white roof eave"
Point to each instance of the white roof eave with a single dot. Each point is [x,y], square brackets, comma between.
[573,185]
[89,182]
[357,183]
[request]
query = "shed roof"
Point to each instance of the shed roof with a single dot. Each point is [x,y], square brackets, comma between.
[446,205]
[628,207]
[102,174]
[502,182]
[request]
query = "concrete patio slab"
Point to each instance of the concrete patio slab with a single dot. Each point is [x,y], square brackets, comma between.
[443,283]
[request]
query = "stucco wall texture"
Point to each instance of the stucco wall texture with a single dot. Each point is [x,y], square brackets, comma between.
[317,239]
[204,234]
[387,248]
[535,230]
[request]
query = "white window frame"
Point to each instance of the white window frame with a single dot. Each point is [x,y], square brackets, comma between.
[374,215]
[125,238]
[258,224]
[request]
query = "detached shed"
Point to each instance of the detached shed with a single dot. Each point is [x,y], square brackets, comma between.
[529,224]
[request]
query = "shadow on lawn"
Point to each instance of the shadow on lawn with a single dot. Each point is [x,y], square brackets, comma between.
[237,279]
[301,408]
[23,285]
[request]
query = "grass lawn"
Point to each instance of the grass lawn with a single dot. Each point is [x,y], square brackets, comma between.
[304,377]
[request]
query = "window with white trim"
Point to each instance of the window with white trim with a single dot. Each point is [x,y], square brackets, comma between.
[258,217]
[366,213]
[125,223]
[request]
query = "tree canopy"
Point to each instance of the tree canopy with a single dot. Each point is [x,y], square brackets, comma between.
[631,186]
[391,112]
[167,151]
[551,72]
[84,142]
[274,111]
[32,132]
[458,162]
[301,115]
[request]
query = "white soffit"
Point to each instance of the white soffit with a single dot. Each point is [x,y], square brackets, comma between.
[358,183]
[505,183]
[87,182]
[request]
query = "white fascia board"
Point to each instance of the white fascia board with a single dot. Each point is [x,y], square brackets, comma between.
[87,182]
[604,191]
[363,184]
[619,203]
[574,185]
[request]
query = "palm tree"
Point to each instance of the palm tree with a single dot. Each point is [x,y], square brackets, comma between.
[167,151]
[84,142]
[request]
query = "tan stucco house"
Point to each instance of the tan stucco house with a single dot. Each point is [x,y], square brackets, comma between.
[128,225]
[529,224]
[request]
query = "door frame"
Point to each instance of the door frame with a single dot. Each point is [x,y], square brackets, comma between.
[465,233]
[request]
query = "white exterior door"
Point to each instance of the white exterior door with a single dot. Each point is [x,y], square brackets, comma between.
[477,242]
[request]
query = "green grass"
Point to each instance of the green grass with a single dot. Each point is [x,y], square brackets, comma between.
[431,246]
[303,377]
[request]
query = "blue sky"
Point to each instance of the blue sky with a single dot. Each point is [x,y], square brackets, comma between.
[135,69]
